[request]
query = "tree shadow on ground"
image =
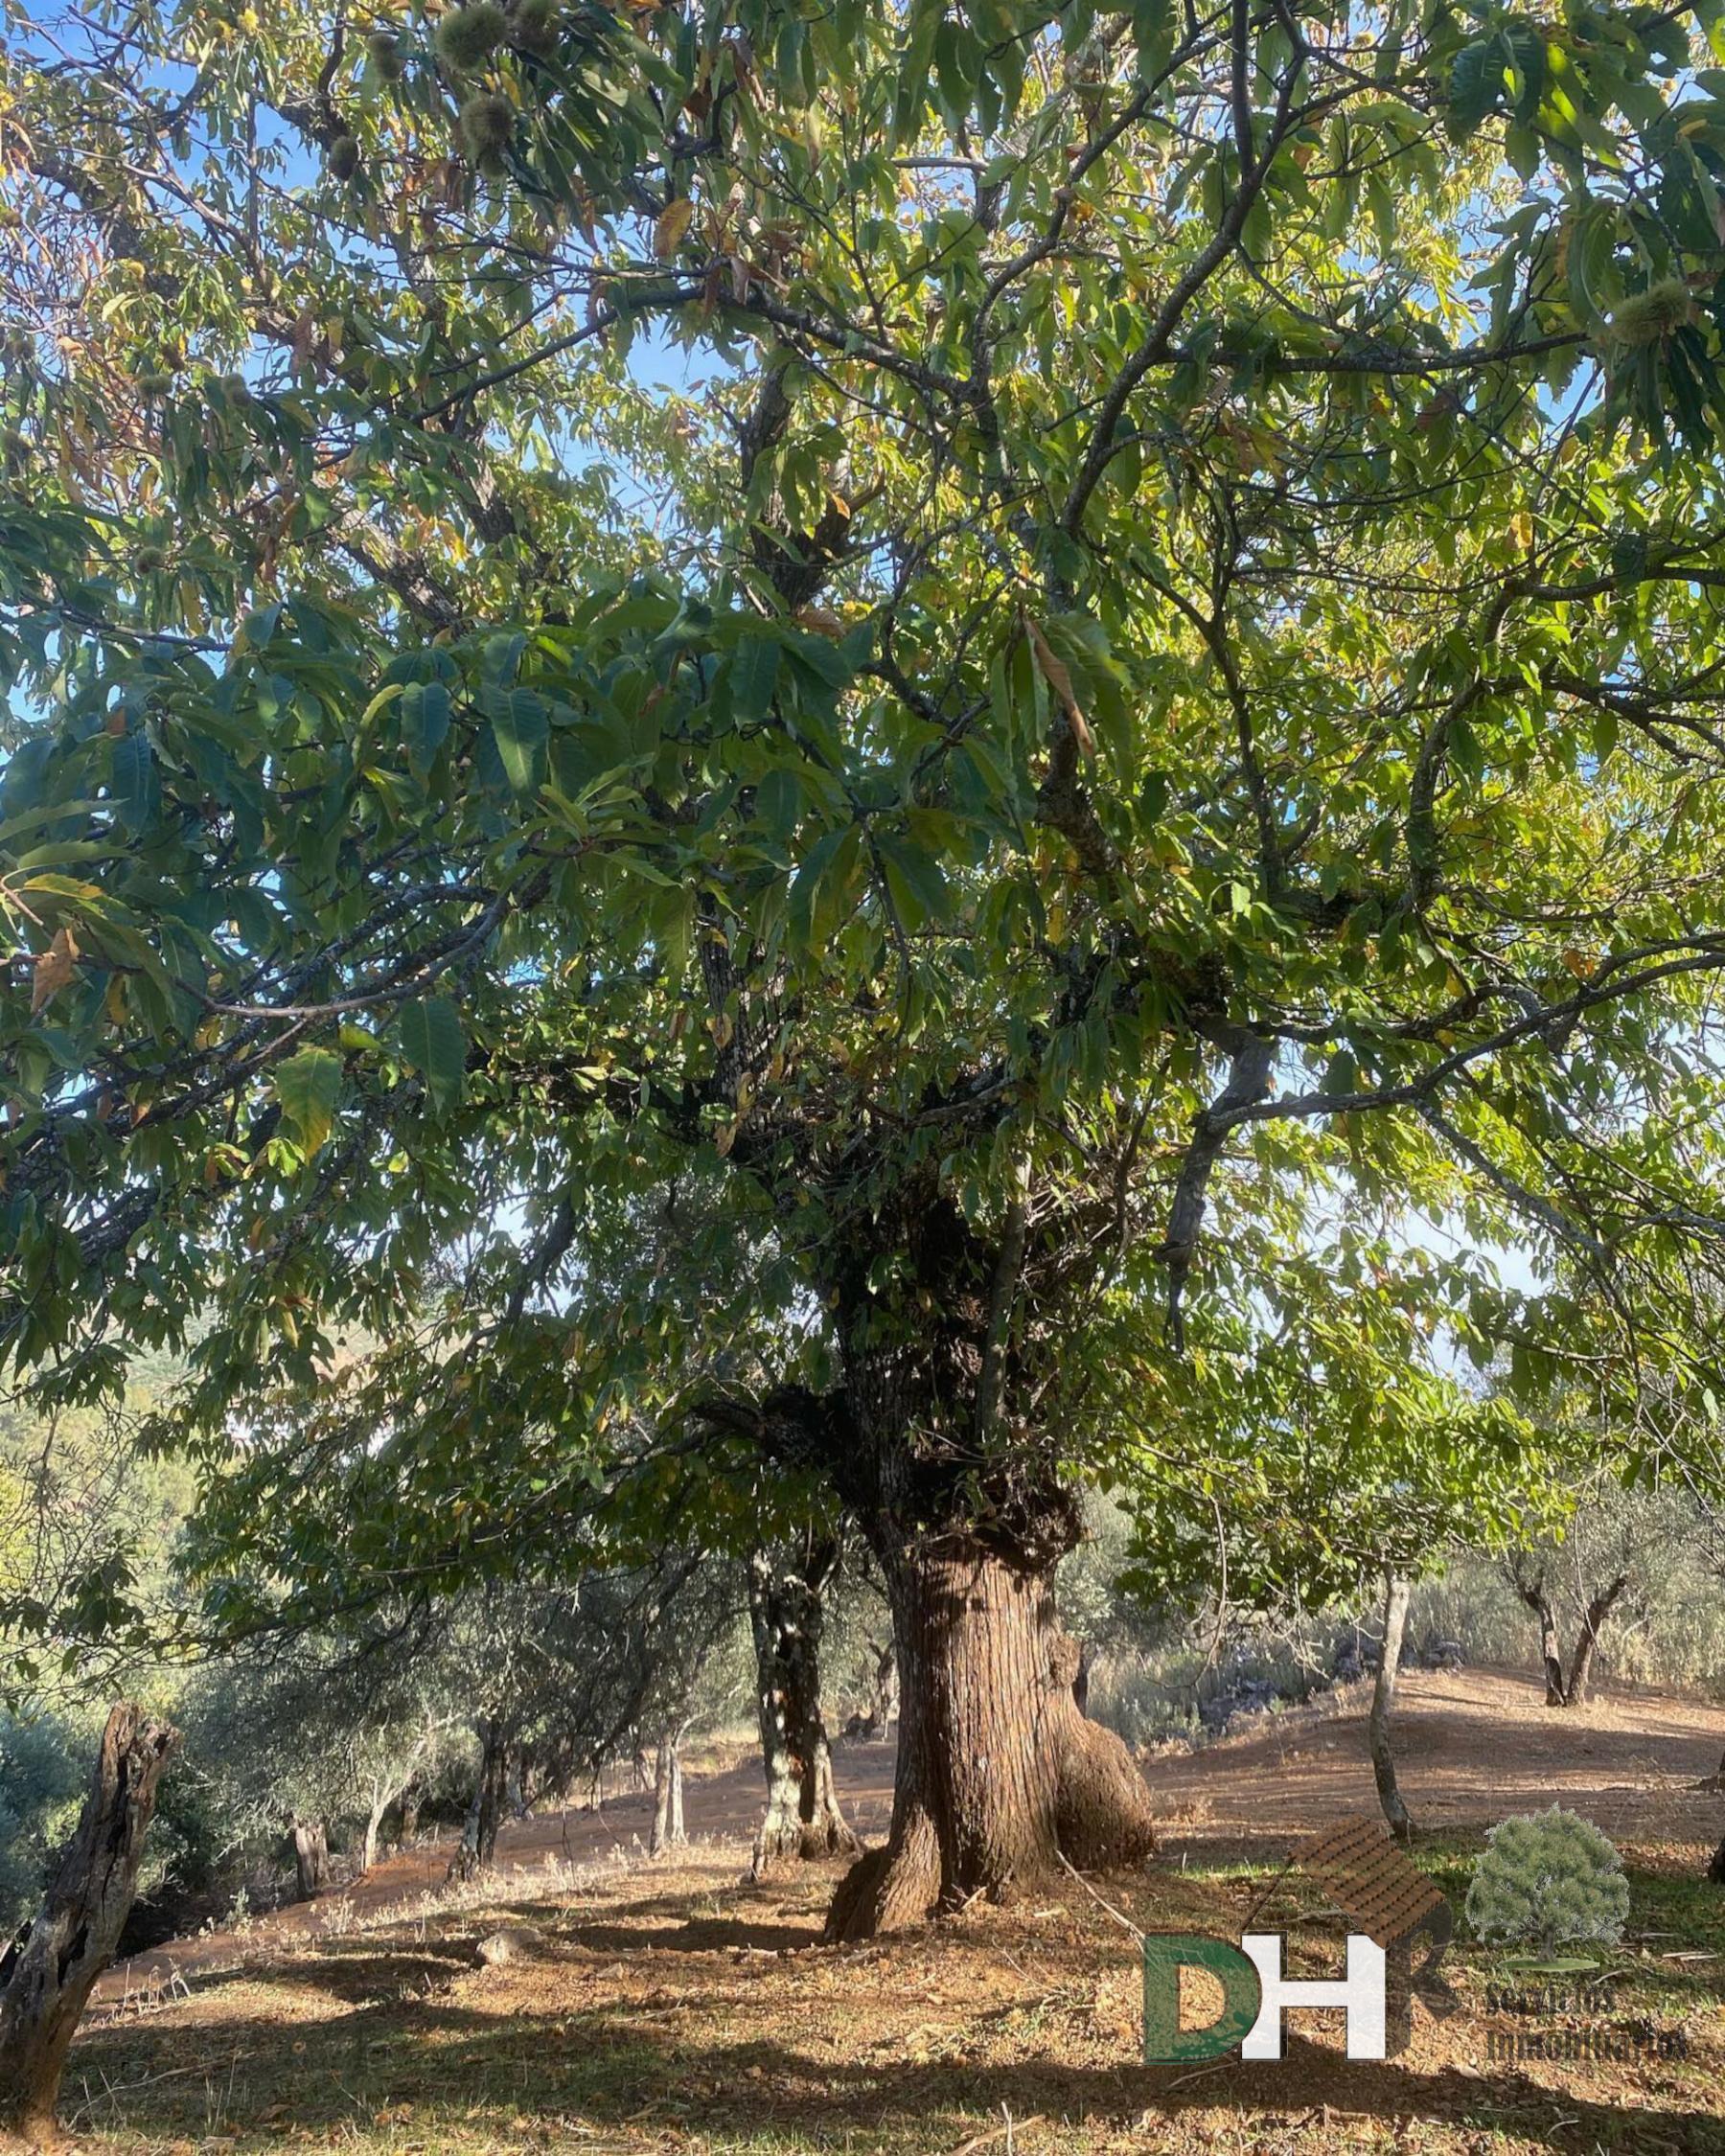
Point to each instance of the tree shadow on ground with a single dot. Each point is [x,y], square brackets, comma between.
[611,2065]
[697,1935]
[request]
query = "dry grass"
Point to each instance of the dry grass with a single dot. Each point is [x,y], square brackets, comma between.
[682,2010]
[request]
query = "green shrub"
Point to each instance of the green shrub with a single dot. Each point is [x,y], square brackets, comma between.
[1549,1880]
[41,1787]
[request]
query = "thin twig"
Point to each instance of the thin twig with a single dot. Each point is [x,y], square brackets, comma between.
[1124,1921]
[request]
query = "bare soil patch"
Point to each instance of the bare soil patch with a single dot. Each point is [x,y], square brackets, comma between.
[1472,1746]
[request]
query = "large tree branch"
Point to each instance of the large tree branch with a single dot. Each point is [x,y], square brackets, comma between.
[1250,1059]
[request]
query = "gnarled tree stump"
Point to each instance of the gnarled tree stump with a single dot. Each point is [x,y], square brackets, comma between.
[47,1972]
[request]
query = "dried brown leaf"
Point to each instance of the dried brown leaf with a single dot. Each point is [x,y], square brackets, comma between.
[673,223]
[1054,673]
[55,968]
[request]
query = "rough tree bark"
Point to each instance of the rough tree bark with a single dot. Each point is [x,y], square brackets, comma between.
[1383,1707]
[310,1856]
[668,1831]
[998,1774]
[479,1844]
[46,1975]
[787,1615]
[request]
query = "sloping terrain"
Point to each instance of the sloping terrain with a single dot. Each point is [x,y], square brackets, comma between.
[678,2007]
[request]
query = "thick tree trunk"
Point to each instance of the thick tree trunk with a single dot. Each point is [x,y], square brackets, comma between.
[1383,1707]
[668,1832]
[802,1818]
[310,1856]
[998,1774]
[930,1441]
[410,1812]
[46,1975]
[1579,1688]
[1715,1871]
[485,1811]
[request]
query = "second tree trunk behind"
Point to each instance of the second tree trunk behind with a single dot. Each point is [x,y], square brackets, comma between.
[787,1615]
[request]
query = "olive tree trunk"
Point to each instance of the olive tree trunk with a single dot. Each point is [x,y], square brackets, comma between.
[668,1829]
[883,1694]
[787,1615]
[310,1856]
[1574,1688]
[1383,1707]
[998,1774]
[390,1785]
[1580,1688]
[478,1846]
[1533,1593]
[47,1974]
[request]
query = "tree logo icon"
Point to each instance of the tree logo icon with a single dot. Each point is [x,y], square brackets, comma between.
[1548,1880]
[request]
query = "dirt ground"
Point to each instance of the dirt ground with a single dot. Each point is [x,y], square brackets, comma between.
[678,2007]
[1472,1746]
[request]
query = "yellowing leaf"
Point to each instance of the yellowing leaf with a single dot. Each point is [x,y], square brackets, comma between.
[1581,964]
[1054,673]
[673,223]
[55,968]
[308,1085]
